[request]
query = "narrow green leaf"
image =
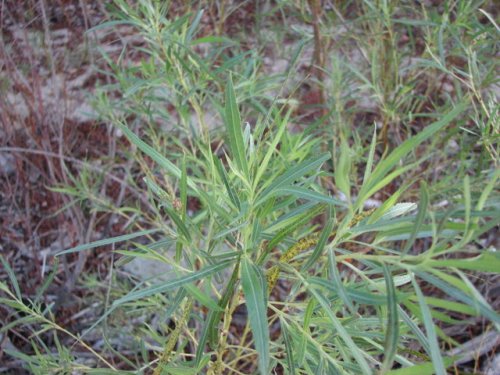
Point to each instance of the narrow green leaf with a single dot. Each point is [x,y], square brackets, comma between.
[210,331]
[254,288]
[392,333]
[419,220]
[413,22]
[288,347]
[48,280]
[486,262]
[155,155]
[320,370]
[290,217]
[194,25]
[435,350]
[223,175]
[457,289]
[467,205]
[310,195]
[441,51]
[388,204]
[398,153]
[230,230]
[459,294]
[446,304]
[346,337]
[171,284]
[306,327]
[318,250]
[291,175]
[426,368]
[371,154]
[211,323]
[183,197]
[183,189]
[488,189]
[343,169]
[297,222]
[155,188]
[181,226]
[384,181]
[212,39]
[24,321]
[334,275]
[201,297]
[12,277]
[271,149]
[107,241]
[354,294]
[234,130]
[177,369]
[422,339]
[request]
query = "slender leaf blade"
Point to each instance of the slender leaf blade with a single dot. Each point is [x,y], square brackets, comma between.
[223,175]
[419,220]
[398,153]
[254,288]
[234,130]
[346,337]
[392,333]
[310,195]
[12,277]
[318,250]
[435,351]
[155,155]
[288,347]
[293,174]
[337,281]
[486,262]
[171,284]
[107,241]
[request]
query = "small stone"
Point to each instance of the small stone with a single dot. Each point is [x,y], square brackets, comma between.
[7,163]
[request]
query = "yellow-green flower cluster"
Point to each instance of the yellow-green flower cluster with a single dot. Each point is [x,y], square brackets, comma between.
[174,336]
[304,244]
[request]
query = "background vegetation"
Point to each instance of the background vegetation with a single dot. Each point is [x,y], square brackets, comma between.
[236,187]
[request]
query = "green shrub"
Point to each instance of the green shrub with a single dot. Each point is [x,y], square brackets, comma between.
[356,285]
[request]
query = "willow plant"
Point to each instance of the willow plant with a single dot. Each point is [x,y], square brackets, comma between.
[254,230]
[347,295]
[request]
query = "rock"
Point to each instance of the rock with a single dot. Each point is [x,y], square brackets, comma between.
[7,163]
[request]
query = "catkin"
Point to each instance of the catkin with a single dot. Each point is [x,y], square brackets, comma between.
[304,244]
[174,336]
[272,277]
